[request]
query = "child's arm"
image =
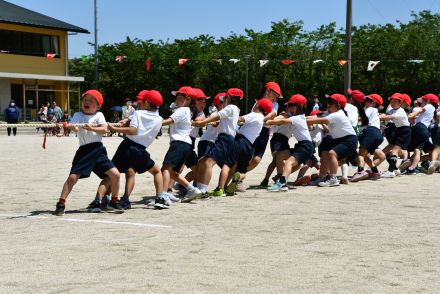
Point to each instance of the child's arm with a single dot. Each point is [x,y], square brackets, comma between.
[315,120]
[167,122]
[278,122]
[416,113]
[205,121]
[270,116]
[123,130]
[385,117]
[101,129]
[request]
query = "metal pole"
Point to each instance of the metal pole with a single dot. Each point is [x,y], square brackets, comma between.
[347,69]
[96,44]
[247,82]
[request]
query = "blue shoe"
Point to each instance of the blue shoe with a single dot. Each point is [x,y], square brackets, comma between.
[94,207]
[125,202]
[411,172]
[278,186]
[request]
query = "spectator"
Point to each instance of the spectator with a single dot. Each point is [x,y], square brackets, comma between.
[12,113]
[50,112]
[42,114]
[316,104]
[57,111]
[66,118]
[127,109]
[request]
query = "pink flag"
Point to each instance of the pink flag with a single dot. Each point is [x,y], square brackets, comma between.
[119,58]
[182,61]
[50,55]
[342,62]
[287,61]
[148,64]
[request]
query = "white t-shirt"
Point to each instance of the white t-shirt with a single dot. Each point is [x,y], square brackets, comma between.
[400,118]
[353,114]
[211,132]
[285,130]
[181,128]
[195,131]
[148,124]
[275,107]
[84,136]
[300,129]
[339,125]
[427,116]
[373,117]
[228,120]
[253,123]
[316,134]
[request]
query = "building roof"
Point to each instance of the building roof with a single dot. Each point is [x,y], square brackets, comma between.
[14,75]
[14,14]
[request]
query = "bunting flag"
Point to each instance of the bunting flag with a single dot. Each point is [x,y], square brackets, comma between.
[263,62]
[234,60]
[372,65]
[4,51]
[317,61]
[342,62]
[119,58]
[416,60]
[50,55]
[219,61]
[182,61]
[287,61]
[148,64]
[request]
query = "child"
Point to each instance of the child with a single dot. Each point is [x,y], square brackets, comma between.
[219,153]
[91,155]
[180,147]
[131,157]
[243,149]
[435,137]
[304,149]
[343,143]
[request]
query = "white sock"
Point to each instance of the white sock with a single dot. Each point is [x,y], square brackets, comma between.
[202,187]
[344,170]
[189,187]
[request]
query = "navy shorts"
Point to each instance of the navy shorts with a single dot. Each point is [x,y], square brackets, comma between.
[192,158]
[402,137]
[132,155]
[91,158]
[389,131]
[419,136]
[435,135]
[279,142]
[177,155]
[241,154]
[260,143]
[203,148]
[326,145]
[303,151]
[344,147]
[370,139]
[222,148]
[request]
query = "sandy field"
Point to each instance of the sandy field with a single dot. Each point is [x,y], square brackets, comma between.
[367,237]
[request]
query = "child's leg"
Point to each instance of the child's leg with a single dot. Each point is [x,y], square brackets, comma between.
[130,177]
[166,177]
[281,156]
[68,185]
[333,162]
[205,173]
[415,158]
[103,188]
[158,180]
[270,167]
[114,175]
[223,176]
[379,157]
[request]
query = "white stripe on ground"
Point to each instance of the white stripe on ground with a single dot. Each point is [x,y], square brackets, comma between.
[85,220]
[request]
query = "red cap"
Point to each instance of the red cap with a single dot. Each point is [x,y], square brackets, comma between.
[397,96]
[297,99]
[274,87]
[140,95]
[315,112]
[376,98]
[265,104]
[96,94]
[357,95]
[152,96]
[406,98]
[235,92]
[338,98]
[198,93]
[431,97]
[218,98]
[185,90]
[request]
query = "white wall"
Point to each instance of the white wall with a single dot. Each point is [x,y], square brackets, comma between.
[5,95]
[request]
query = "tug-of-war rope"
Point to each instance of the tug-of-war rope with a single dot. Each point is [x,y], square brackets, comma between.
[48,126]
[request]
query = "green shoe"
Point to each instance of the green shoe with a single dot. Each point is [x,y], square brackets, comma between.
[232,187]
[217,192]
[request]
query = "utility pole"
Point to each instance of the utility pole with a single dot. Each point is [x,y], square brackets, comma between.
[247,81]
[96,45]
[347,69]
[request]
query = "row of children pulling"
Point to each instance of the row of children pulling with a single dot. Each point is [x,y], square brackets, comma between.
[238,150]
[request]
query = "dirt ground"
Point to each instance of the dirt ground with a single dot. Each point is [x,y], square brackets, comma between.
[372,236]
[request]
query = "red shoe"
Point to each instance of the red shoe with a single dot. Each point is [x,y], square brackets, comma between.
[304,181]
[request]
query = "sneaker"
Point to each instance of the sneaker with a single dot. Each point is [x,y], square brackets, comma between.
[94,206]
[387,174]
[303,181]
[217,192]
[232,187]
[125,203]
[59,209]
[275,178]
[411,172]
[359,176]
[191,195]
[433,165]
[173,198]
[330,182]
[162,202]
[241,187]
[105,200]
[317,180]
[181,192]
[264,183]
[278,186]
[373,176]
[344,181]
[397,173]
[404,165]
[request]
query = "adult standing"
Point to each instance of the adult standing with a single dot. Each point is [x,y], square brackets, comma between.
[58,112]
[127,109]
[12,113]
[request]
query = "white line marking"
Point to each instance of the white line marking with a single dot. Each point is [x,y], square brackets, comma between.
[85,220]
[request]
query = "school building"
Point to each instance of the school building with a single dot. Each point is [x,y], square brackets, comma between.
[34,61]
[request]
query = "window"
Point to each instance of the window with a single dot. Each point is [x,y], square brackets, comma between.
[23,43]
